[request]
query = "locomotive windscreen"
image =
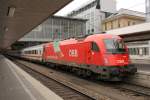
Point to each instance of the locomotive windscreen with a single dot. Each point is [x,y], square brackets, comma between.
[115,46]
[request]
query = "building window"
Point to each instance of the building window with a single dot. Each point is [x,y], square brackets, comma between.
[133,23]
[119,24]
[105,26]
[92,30]
[111,25]
[88,31]
[129,23]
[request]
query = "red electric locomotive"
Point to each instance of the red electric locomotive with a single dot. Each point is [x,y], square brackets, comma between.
[101,54]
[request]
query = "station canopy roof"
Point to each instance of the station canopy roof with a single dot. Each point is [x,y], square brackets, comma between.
[18,17]
[139,28]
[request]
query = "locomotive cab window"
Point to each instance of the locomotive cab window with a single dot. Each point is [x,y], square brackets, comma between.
[94,47]
[116,46]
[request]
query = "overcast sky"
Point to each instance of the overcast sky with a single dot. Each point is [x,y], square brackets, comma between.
[137,5]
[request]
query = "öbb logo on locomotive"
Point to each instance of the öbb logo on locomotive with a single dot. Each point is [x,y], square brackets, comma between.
[73,53]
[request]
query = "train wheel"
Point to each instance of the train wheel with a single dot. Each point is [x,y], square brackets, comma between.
[79,72]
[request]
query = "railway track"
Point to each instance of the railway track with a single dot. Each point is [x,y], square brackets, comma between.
[135,88]
[63,91]
[88,90]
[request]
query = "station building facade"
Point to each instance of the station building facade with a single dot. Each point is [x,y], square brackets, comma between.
[57,27]
[54,28]
[94,16]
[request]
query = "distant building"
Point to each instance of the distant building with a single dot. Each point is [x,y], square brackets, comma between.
[148,10]
[94,16]
[123,18]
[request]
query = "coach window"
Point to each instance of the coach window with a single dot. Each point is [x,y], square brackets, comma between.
[145,51]
[136,51]
[95,47]
[132,51]
[36,51]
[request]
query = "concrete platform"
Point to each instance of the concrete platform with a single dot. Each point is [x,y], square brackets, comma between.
[141,78]
[16,84]
[142,65]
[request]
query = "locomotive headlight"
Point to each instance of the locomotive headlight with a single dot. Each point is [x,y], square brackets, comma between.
[106,61]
